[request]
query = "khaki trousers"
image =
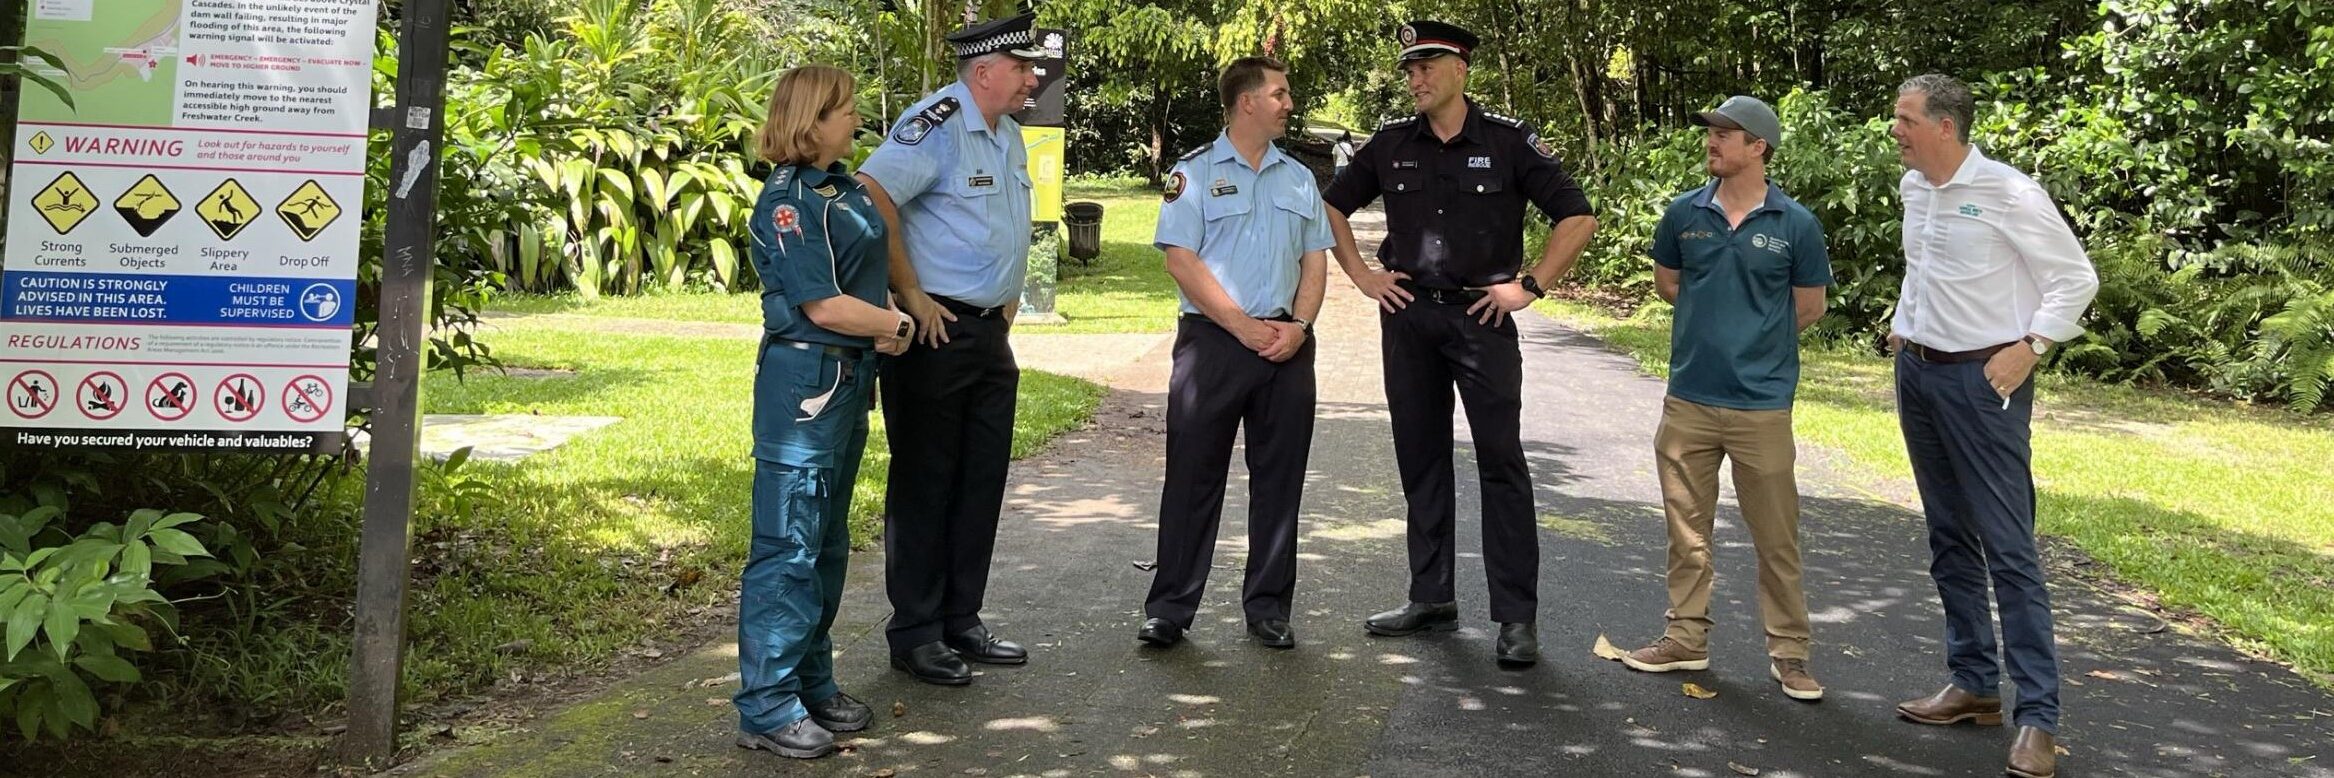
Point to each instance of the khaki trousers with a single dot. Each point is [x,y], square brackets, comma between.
[1687,449]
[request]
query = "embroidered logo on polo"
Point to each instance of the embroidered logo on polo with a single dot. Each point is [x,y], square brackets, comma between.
[925,121]
[1697,235]
[1971,209]
[1770,243]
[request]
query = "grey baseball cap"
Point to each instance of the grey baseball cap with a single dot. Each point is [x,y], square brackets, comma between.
[1746,113]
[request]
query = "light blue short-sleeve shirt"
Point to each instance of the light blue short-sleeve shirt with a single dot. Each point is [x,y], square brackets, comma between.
[1251,227]
[963,193]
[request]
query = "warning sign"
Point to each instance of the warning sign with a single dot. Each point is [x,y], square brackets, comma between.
[147,205]
[307,398]
[32,394]
[309,210]
[228,209]
[239,397]
[170,396]
[102,396]
[64,203]
[41,142]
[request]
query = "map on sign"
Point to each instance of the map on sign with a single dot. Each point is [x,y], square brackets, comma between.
[123,69]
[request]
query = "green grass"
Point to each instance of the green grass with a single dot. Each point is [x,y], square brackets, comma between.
[2219,507]
[592,547]
[1124,290]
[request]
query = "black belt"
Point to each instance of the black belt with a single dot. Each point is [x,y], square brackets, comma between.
[1436,294]
[840,352]
[1926,354]
[1201,317]
[962,308]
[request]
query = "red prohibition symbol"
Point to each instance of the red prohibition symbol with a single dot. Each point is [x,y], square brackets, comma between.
[239,397]
[170,396]
[102,395]
[32,394]
[307,398]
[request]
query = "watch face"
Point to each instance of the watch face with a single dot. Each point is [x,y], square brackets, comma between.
[2040,348]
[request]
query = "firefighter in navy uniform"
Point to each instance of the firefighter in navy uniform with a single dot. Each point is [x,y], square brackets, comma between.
[1455,178]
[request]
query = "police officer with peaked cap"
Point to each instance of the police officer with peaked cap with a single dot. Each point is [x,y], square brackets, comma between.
[952,179]
[1456,178]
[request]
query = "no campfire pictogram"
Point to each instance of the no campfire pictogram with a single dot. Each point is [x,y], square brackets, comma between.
[102,395]
[32,394]
[239,398]
[307,398]
[170,396]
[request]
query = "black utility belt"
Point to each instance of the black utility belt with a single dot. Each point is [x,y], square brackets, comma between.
[962,308]
[839,352]
[1201,317]
[1442,295]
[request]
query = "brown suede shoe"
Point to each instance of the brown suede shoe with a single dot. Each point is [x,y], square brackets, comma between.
[1665,655]
[1798,684]
[2034,754]
[1952,706]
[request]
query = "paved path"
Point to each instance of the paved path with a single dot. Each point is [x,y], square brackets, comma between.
[2141,700]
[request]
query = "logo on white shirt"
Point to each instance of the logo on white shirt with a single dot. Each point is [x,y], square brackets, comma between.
[1970,209]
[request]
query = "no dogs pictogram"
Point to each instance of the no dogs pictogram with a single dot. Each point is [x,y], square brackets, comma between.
[170,396]
[307,398]
[32,394]
[102,395]
[239,398]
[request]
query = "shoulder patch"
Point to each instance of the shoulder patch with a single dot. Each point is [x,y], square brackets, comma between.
[1175,184]
[1402,122]
[1505,119]
[1540,146]
[1195,153]
[914,130]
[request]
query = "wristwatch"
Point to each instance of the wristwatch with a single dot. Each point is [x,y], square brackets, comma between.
[906,325]
[1303,323]
[2039,345]
[1532,284]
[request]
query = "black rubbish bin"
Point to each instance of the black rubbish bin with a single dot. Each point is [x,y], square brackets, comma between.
[1085,222]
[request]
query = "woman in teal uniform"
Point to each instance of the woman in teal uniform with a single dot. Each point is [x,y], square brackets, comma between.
[821,250]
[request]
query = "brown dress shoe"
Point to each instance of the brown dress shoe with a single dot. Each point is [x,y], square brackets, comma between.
[1951,705]
[2034,754]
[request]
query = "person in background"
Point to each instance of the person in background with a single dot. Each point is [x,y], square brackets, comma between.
[820,249]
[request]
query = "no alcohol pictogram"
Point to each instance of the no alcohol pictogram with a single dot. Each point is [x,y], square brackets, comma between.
[102,395]
[307,398]
[239,398]
[170,396]
[32,394]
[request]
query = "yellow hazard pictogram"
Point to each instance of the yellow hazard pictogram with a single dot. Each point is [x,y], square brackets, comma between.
[147,205]
[309,210]
[228,209]
[41,142]
[65,202]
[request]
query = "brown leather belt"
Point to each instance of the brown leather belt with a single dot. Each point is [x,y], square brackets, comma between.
[1926,354]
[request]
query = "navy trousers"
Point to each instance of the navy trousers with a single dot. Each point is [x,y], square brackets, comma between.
[1972,459]
[810,429]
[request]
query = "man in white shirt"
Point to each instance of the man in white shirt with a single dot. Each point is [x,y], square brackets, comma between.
[1994,279]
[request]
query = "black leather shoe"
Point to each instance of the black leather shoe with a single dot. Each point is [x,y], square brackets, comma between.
[978,645]
[1273,633]
[933,663]
[1519,643]
[1415,618]
[1159,632]
[841,713]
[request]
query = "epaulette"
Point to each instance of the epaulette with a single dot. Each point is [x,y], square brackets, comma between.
[1402,122]
[1194,154]
[927,120]
[1505,119]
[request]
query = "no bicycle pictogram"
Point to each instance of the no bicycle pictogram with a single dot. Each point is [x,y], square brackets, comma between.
[170,396]
[239,398]
[32,394]
[102,395]
[307,398]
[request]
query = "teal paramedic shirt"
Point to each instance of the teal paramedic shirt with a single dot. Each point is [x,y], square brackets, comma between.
[817,235]
[1734,341]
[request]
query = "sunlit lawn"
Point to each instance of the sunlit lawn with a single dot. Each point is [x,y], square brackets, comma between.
[2222,508]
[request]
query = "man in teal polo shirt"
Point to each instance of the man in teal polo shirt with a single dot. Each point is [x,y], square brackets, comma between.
[1745,265]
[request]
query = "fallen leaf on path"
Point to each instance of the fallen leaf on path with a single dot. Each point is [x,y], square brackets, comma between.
[2104,674]
[1696,691]
[2062,750]
[1606,650]
[884,773]
[715,701]
[1146,566]
[899,709]
[1741,770]
[640,714]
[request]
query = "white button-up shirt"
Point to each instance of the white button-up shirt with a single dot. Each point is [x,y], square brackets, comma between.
[1988,259]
